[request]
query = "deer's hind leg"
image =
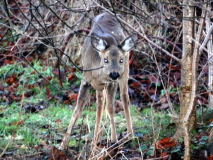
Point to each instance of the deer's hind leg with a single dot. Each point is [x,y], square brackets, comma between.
[82,99]
[110,102]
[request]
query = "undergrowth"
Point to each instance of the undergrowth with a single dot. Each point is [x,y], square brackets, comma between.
[41,120]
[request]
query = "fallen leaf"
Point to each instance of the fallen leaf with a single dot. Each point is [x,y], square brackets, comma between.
[73,96]
[33,72]
[67,101]
[135,85]
[164,156]
[37,147]
[6,61]
[31,86]
[58,121]
[210,157]
[19,123]
[12,79]
[56,154]
[166,142]
[71,77]
[15,97]
[72,69]
[48,94]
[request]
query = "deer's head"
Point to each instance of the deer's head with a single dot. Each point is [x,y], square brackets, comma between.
[113,55]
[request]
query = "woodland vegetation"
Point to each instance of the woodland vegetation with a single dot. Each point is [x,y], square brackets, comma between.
[170,85]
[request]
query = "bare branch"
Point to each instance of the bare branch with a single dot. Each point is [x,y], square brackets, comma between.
[206,39]
[139,33]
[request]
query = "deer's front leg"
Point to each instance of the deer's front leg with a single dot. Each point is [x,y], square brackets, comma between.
[111,91]
[82,99]
[100,99]
[125,100]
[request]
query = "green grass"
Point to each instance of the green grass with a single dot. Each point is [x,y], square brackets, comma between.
[49,125]
[43,126]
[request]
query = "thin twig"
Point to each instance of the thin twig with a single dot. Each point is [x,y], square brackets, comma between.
[206,39]
[139,33]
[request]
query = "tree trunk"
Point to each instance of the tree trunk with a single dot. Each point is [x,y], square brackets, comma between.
[189,63]
[186,67]
[210,57]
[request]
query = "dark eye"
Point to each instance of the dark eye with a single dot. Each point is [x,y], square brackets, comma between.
[106,60]
[121,61]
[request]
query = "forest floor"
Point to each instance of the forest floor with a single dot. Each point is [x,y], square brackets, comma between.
[35,110]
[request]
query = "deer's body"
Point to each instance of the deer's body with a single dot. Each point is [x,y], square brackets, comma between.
[107,26]
[105,46]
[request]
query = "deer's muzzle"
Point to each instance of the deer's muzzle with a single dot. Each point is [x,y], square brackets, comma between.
[114,75]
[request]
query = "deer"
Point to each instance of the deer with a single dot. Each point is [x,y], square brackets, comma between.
[107,46]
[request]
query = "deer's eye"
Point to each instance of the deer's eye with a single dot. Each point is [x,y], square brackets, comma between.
[106,60]
[121,60]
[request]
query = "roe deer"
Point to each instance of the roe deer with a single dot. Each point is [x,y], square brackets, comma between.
[105,46]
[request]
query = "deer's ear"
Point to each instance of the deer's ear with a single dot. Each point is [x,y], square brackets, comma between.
[98,43]
[129,42]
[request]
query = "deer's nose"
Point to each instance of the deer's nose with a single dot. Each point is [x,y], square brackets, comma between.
[114,75]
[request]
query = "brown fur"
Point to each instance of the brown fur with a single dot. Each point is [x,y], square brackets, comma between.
[115,50]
